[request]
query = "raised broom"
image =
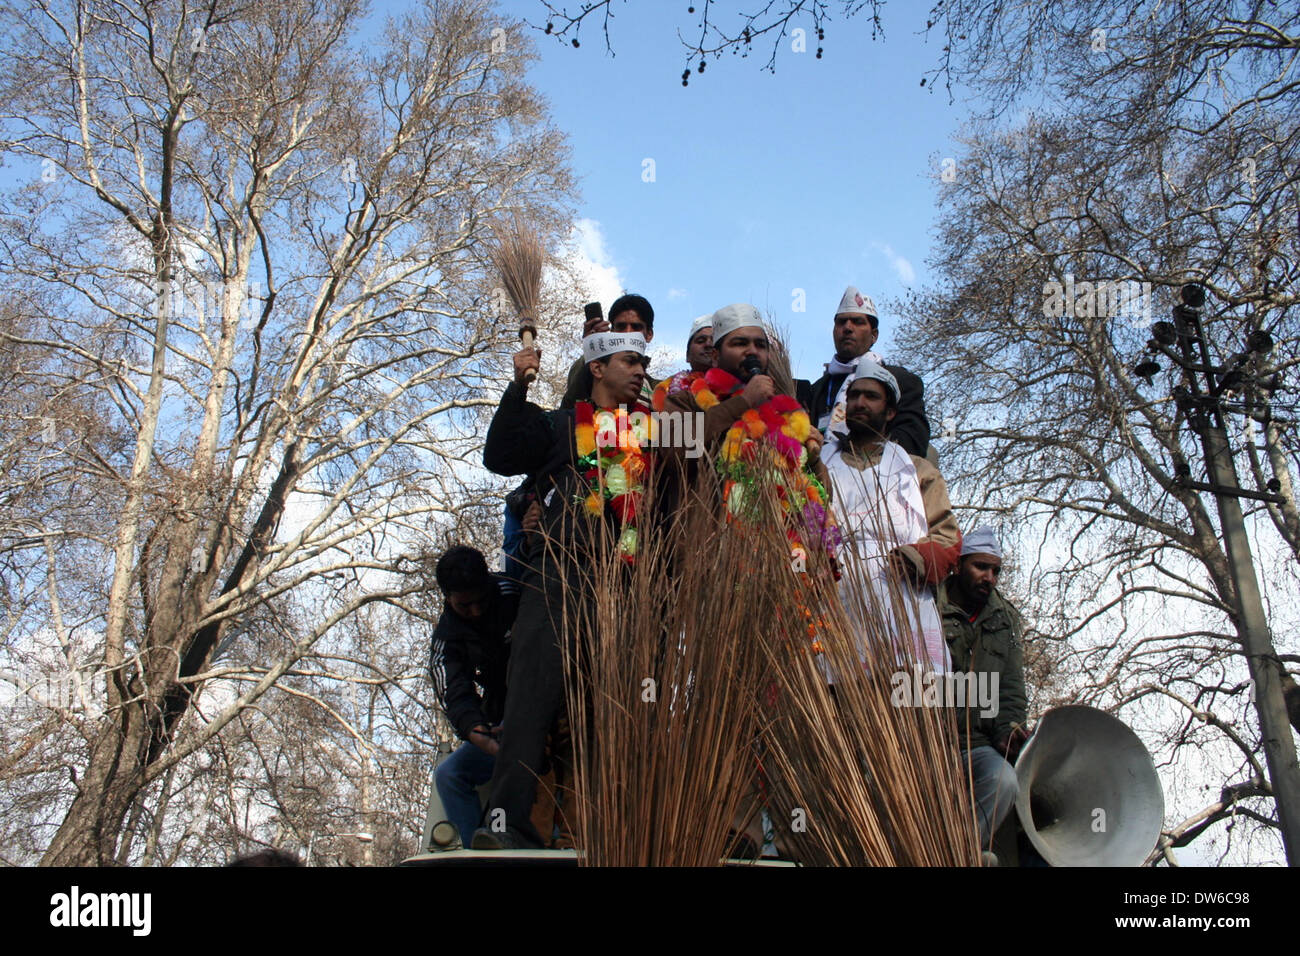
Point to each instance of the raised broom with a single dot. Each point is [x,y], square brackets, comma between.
[518,257]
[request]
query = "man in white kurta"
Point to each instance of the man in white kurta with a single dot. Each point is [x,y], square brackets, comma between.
[895,516]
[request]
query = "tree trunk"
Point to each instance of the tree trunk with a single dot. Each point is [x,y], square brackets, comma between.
[89,834]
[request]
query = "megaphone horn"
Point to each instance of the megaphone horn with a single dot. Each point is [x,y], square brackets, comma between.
[1089,793]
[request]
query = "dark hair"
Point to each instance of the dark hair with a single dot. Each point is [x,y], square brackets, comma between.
[638,304]
[462,568]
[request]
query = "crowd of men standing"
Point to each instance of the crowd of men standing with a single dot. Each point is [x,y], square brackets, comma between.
[497,656]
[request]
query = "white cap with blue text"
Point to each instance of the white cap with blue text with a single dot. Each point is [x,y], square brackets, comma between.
[600,344]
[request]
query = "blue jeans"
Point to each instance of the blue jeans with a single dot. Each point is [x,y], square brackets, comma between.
[993,782]
[512,545]
[456,779]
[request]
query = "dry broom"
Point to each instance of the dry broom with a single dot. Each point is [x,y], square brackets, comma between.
[696,695]
[519,257]
[875,777]
[661,690]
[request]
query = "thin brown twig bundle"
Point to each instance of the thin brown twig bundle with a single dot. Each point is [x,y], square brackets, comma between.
[694,696]
[662,685]
[861,775]
[519,257]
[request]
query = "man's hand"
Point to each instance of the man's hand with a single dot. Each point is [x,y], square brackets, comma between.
[758,390]
[814,446]
[527,360]
[903,569]
[484,739]
[532,519]
[1011,743]
[592,326]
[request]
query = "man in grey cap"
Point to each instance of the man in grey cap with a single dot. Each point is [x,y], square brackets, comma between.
[985,636]
[857,326]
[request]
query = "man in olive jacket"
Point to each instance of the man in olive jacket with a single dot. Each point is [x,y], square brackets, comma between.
[984,635]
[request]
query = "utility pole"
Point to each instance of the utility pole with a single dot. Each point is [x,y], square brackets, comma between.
[1204,411]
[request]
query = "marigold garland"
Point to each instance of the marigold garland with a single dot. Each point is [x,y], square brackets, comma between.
[770,437]
[612,459]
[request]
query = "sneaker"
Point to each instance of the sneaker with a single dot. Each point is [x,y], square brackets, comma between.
[511,839]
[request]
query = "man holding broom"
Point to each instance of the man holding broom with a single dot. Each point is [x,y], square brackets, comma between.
[588,464]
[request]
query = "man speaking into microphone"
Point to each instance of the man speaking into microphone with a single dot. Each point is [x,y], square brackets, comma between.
[740,381]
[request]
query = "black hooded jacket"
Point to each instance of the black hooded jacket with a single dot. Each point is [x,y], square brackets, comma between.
[466,656]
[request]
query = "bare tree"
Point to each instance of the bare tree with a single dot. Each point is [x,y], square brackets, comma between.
[1049,424]
[1162,149]
[258,246]
[1194,65]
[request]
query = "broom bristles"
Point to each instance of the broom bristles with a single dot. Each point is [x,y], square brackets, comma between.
[714,615]
[661,686]
[519,257]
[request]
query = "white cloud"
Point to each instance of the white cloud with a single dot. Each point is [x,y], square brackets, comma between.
[902,268]
[591,263]
[588,259]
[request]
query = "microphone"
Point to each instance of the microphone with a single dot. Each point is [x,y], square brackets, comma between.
[751,367]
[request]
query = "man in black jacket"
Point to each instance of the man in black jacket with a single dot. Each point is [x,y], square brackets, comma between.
[857,326]
[525,439]
[470,650]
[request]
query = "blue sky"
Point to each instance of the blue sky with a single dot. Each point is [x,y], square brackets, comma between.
[819,176]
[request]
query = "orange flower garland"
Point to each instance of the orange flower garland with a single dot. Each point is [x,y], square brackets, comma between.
[610,446]
[771,436]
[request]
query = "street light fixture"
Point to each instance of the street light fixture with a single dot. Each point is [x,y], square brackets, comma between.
[1259,341]
[1193,295]
[1164,333]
